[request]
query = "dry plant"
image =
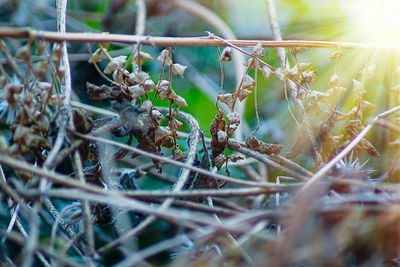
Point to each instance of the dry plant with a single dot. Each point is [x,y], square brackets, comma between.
[70,172]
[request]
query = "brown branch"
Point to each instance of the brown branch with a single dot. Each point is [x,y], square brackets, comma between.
[180,41]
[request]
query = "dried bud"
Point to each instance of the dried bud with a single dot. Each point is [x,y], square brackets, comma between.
[164,90]
[164,57]
[118,76]
[266,71]
[138,77]
[115,64]
[163,136]
[157,116]
[178,69]
[367,106]
[243,94]
[248,82]
[39,68]
[226,55]
[296,50]
[180,101]
[227,99]
[96,57]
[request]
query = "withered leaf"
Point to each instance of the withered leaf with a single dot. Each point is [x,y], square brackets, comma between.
[262,147]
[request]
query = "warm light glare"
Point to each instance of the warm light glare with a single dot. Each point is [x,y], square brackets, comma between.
[377,20]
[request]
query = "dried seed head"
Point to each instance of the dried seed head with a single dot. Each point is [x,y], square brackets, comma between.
[243,94]
[39,68]
[226,55]
[180,101]
[146,106]
[227,99]
[149,85]
[114,64]
[248,82]
[23,53]
[164,57]
[222,136]
[258,50]
[178,69]
[137,91]
[178,155]
[266,71]
[295,50]
[333,81]
[141,57]
[96,57]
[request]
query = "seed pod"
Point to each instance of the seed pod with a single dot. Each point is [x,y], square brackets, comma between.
[146,121]
[23,53]
[233,118]
[178,69]
[243,94]
[164,90]
[231,129]
[280,73]
[336,55]
[174,124]
[333,81]
[218,161]
[226,55]
[266,71]
[248,82]
[96,57]
[302,67]
[180,101]
[258,50]
[114,64]
[295,50]
[149,85]
[157,116]
[367,106]
[222,136]
[369,72]
[310,76]
[163,136]
[39,68]
[178,155]
[118,76]
[164,57]
[137,91]
[141,57]
[138,77]
[227,99]
[146,106]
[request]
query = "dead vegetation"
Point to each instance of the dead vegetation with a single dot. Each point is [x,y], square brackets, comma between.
[71,174]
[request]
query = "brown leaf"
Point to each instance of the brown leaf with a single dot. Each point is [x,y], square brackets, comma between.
[262,147]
